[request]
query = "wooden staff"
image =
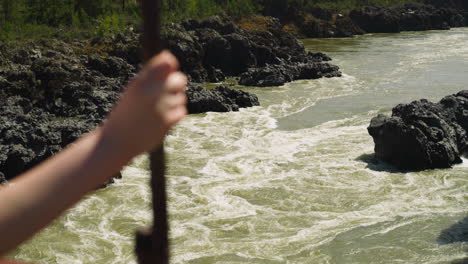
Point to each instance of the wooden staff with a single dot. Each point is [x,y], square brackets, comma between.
[152,246]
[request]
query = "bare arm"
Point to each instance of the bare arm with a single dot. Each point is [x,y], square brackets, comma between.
[151,105]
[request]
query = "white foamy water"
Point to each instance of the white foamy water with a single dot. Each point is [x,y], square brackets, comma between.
[294,180]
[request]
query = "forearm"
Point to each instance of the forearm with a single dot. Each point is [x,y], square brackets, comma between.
[36,198]
[150,106]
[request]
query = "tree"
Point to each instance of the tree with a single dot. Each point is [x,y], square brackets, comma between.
[9,8]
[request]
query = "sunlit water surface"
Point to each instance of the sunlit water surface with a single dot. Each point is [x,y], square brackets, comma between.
[294,181]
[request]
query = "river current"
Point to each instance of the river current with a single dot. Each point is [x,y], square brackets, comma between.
[294,180]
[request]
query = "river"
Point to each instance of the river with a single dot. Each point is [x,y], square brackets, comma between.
[294,180]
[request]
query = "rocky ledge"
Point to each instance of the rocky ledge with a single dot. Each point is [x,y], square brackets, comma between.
[425,15]
[411,17]
[216,48]
[423,135]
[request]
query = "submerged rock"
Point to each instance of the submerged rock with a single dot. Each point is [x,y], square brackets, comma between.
[423,135]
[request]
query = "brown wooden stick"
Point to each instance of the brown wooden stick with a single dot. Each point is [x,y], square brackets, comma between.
[153,245]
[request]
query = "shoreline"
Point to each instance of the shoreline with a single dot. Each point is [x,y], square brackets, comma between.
[52,92]
[430,15]
[68,88]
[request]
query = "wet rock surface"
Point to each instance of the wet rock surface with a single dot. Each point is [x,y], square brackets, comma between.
[423,135]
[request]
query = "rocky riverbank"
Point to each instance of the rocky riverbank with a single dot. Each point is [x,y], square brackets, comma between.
[423,135]
[51,92]
[418,16]
[216,48]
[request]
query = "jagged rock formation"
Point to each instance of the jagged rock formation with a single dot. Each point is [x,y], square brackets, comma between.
[312,67]
[262,58]
[423,135]
[219,99]
[411,17]
[214,48]
[428,15]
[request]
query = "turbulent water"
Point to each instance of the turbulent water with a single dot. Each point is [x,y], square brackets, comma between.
[294,181]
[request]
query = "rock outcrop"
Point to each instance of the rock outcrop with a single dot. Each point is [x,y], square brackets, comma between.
[423,135]
[312,67]
[212,49]
[411,17]
[52,92]
[219,99]
[425,15]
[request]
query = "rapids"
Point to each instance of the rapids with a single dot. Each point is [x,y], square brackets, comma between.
[294,180]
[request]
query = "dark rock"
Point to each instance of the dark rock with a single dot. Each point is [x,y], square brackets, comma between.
[211,49]
[111,66]
[276,75]
[312,28]
[186,47]
[221,24]
[321,13]
[270,75]
[219,99]
[226,50]
[51,99]
[411,17]
[423,135]
[345,27]
[373,19]
[111,180]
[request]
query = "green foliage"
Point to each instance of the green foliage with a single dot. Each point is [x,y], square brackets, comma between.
[102,17]
[109,25]
[241,8]
[177,10]
[9,10]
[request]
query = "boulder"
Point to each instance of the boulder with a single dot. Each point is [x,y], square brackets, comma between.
[423,135]
[219,99]
[276,75]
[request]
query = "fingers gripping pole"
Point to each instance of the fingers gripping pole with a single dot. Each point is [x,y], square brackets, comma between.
[152,245]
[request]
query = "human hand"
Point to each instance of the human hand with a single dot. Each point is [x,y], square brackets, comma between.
[152,104]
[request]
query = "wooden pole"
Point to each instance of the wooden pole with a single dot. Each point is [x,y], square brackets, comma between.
[153,244]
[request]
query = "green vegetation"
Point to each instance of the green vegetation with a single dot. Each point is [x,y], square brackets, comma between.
[20,19]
